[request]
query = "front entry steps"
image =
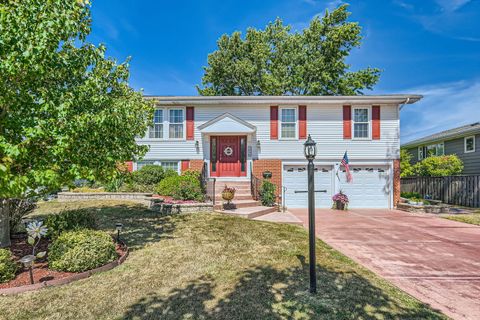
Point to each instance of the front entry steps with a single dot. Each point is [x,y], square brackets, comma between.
[243,205]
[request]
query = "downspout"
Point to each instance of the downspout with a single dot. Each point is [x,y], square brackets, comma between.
[407,100]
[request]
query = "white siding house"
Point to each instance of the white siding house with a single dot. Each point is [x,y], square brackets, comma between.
[239,136]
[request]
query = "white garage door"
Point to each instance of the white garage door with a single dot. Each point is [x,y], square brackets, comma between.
[370,187]
[295,179]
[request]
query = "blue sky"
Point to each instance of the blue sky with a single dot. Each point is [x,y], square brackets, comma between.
[430,47]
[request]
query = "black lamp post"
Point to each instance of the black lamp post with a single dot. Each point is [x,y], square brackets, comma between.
[118,227]
[310,149]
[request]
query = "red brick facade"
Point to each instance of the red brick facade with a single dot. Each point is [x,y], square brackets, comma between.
[396,182]
[272,165]
[196,165]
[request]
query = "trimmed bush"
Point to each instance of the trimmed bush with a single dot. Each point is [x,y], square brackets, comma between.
[69,220]
[148,175]
[439,166]
[267,194]
[8,267]
[409,195]
[81,250]
[184,187]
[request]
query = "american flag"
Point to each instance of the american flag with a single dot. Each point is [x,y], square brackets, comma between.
[347,168]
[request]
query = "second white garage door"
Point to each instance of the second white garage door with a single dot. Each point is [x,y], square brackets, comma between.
[370,187]
[295,180]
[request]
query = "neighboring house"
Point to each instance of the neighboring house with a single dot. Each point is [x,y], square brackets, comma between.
[233,138]
[461,141]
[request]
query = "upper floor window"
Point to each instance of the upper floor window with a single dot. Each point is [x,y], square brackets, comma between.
[431,150]
[469,144]
[361,123]
[156,131]
[176,118]
[168,123]
[288,123]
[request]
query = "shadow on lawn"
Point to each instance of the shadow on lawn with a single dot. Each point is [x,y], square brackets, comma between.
[140,225]
[268,293]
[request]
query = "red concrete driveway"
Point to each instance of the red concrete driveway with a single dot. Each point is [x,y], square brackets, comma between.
[433,259]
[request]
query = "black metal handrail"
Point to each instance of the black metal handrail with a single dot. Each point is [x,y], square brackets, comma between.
[208,184]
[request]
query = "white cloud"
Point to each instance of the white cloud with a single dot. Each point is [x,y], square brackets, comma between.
[445,18]
[443,107]
[451,5]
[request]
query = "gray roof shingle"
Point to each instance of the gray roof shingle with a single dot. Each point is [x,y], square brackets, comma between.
[447,134]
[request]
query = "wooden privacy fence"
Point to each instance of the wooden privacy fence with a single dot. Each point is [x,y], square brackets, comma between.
[457,190]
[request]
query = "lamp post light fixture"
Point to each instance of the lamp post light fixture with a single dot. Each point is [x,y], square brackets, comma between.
[310,150]
[27,262]
[118,227]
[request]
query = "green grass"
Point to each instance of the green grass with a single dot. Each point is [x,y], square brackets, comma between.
[212,266]
[472,218]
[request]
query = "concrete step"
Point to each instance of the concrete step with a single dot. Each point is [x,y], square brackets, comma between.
[219,188]
[244,196]
[239,204]
[250,212]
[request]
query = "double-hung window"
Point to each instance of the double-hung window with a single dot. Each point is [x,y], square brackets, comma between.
[176,118]
[469,144]
[156,131]
[288,123]
[361,123]
[168,123]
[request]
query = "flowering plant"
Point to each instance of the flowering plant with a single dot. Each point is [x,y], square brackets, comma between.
[228,189]
[342,197]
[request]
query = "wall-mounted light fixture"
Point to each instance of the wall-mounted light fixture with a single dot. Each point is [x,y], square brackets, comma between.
[258,144]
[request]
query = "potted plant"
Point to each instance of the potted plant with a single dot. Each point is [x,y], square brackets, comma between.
[340,201]
[228,193]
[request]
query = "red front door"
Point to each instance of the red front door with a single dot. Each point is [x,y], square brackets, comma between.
[228,156]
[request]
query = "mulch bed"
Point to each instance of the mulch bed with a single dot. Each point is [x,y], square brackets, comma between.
[41,273]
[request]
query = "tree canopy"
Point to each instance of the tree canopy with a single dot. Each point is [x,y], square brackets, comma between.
[276,61]
[66,110]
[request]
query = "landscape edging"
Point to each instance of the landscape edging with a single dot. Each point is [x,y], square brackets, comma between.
[66,280]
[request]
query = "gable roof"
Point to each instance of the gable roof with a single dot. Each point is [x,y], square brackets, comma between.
[446,135]
[227,123]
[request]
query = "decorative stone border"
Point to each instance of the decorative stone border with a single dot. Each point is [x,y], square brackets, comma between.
[168,208]
[143,198]
[146,199]
[66,280]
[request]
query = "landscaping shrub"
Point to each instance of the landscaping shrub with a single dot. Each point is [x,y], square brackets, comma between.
[8,267]
[267,193]
[184,187]
[69,220]
[406,167]
[149,175]
[439,166]
[409,195]
[81,250]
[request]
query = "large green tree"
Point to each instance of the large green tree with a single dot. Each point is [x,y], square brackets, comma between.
[66,110]
[276,61]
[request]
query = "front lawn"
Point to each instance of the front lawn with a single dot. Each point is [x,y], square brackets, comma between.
[472,218]
[212,266]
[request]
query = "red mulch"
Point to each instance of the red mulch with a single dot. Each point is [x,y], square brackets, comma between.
[41,273]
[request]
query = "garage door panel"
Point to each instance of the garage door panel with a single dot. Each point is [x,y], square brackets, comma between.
[370,187]
[296,182]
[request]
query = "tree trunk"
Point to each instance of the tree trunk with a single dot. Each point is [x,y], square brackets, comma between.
[4,223]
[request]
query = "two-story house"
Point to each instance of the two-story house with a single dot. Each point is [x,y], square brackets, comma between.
[460,141]
[236,137]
